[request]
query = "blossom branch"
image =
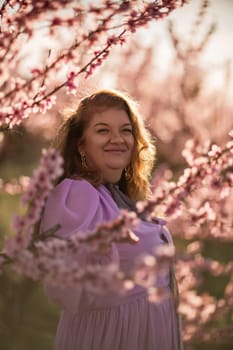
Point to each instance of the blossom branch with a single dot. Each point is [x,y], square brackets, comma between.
[204,169]
[37,192]
[31,102]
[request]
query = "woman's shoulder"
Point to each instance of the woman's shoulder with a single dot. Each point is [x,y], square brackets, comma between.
[74,188]
[72,204]
[74,182]
[72,196]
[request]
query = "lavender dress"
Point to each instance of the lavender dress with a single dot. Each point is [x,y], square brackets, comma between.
[109,322]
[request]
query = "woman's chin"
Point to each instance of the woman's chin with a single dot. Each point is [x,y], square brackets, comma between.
[112,174]
[114,165]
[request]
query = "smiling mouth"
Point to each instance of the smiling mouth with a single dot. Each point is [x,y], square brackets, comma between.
[115,150]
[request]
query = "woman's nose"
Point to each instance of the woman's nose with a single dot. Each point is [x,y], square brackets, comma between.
[116,137]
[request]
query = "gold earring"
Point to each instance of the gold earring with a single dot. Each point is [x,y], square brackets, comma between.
[127,174]
[83,160]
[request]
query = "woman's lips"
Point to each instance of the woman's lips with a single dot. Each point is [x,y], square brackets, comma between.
[115,150]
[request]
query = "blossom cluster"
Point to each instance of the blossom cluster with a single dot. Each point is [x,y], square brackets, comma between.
[54,262]
[107,25]
[33,199]
[208,170]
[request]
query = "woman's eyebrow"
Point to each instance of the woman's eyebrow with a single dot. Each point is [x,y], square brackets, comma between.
[106,124]
[101,123]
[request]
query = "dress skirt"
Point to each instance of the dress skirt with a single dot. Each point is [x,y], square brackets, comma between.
[135,324]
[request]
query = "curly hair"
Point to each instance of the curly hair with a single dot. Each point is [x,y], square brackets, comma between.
[135,178]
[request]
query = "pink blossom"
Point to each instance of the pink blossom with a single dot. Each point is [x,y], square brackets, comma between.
[104,15]
[37,191]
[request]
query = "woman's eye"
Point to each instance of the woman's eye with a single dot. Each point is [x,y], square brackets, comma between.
[102,131]
[127,131]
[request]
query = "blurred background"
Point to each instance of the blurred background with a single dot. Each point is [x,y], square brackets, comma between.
[180,72]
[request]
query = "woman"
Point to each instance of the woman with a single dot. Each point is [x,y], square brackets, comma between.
[108,157]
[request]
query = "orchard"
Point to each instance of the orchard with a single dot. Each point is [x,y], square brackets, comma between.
[52,54]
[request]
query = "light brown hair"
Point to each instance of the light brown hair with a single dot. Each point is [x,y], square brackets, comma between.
[135,178]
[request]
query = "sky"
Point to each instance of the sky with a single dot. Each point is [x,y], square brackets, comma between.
[220,46]
[220,12]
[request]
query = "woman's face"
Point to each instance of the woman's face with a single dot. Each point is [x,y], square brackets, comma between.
[108,143]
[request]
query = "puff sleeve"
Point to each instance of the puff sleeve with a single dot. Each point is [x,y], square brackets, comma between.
[77,207]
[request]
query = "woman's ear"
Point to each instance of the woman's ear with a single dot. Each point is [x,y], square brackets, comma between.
[80,147]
